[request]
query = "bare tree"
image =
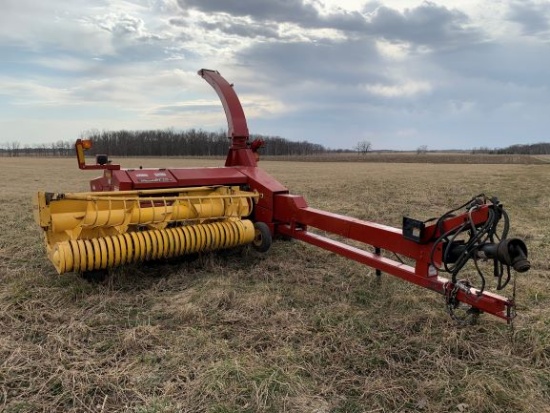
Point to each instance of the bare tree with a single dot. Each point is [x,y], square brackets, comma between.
[422,149]
[14,148]
[363,147]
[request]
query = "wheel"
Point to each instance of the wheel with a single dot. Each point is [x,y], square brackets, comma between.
[262,238]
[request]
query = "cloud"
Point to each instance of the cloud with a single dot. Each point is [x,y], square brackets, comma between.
[242,29]
[197,106]
[403,74]
[428,25]
[55,25]
[121,24]
[533,17]
[274,10]
[408,89]
[32,93]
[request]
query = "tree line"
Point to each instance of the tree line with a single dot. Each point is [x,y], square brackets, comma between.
[541,148]
[197,142]
[192,142]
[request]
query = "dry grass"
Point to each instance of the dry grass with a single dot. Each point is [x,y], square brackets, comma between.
[413,157]
[296,330]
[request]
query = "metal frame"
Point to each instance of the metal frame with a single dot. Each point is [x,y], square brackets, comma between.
[289,215]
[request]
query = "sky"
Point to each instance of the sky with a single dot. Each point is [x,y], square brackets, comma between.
[456,74]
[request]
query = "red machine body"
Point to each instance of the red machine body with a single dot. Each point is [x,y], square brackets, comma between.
[289,215]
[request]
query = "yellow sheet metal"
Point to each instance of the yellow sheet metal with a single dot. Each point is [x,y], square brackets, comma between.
[111,251]
[82,215]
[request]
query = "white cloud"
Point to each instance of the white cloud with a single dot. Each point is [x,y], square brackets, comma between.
[406,89]
[393,50]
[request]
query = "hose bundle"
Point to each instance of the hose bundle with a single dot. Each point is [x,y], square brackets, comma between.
[482,241]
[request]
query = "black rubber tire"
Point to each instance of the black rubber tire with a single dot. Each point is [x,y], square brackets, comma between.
[262,238]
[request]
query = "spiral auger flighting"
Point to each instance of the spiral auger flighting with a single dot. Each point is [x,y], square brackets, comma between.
[106,252]
[95,231]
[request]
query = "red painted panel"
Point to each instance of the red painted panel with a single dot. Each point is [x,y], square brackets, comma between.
[240,157]
[208,176]
[122,181]
[173,178]
[264,183]
[263,215]
[151,178]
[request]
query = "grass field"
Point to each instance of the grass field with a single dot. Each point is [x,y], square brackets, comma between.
[295,330]
[428,157]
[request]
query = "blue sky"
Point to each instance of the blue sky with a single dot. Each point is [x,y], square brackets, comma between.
[400,74]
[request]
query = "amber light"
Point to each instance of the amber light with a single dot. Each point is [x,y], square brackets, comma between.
[87,143]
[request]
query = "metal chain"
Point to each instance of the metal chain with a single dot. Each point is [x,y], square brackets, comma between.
[452,303]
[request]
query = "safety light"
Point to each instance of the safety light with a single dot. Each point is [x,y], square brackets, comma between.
[86,143]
